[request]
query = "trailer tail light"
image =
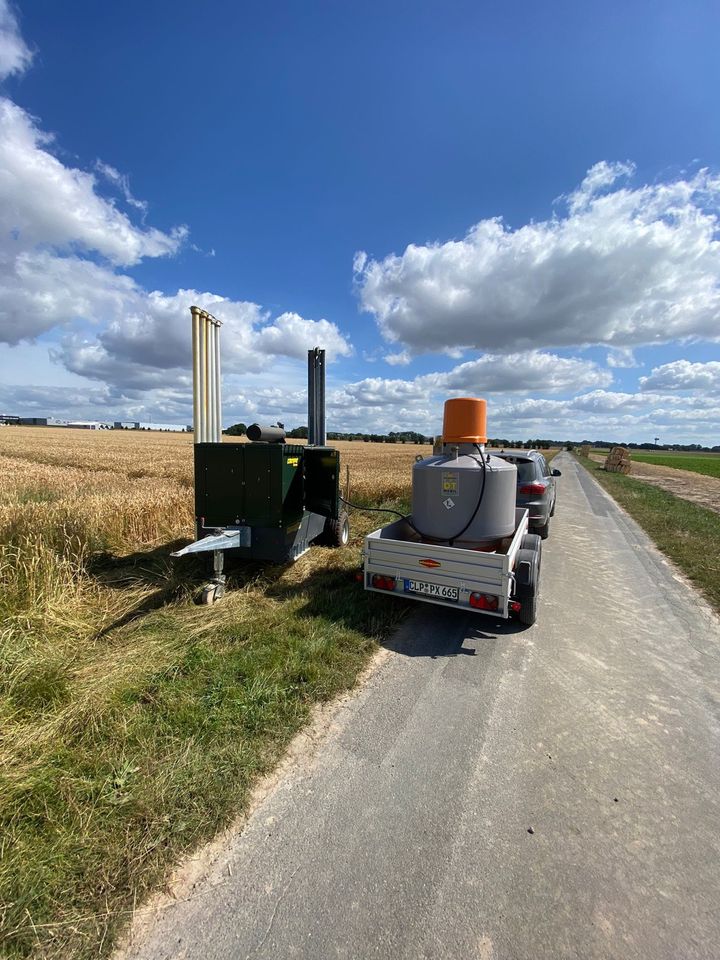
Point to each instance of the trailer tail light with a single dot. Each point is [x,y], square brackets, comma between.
[535,489]
[483,601]
[383,583]
[515,606]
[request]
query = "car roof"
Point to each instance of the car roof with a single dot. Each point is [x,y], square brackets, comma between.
[516,453]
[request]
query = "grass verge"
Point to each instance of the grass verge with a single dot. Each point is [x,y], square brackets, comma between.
[685,532]
[135,723]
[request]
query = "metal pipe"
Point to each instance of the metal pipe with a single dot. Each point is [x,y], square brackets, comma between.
[195,312]
[211,382]
[205,385]
[258,433]
[218,383]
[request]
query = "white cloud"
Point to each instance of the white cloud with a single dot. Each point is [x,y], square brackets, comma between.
[122,182]
[401,359]
[44,202]
[622,358]
[624,267]
[290,335]
[534,370]
[684,375]
[15,55]
[61,243]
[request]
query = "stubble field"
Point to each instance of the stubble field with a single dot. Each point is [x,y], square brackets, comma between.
[133,722]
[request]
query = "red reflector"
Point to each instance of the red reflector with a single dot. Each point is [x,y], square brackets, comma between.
[383,583]
[533,488]
[483,601]
[515,606]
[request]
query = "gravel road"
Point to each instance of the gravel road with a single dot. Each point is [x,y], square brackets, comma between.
[495,792]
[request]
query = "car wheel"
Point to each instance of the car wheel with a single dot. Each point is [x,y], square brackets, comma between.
[542,530]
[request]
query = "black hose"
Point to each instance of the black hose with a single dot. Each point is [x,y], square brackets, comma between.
[457,536]
[408,518]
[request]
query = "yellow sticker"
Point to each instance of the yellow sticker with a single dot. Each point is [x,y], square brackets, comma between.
[449,483]
[293,461]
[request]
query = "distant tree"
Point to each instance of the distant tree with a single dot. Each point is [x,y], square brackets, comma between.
[236,430]
[299,433]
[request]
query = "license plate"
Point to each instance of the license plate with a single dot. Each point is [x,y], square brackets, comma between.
[431,589]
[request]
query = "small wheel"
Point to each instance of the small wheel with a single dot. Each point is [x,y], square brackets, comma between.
[337,532]
[209,595]
[527,584]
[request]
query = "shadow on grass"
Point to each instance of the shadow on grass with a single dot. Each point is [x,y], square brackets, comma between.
[417,629]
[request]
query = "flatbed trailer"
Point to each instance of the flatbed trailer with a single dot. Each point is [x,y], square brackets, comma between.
[500,583]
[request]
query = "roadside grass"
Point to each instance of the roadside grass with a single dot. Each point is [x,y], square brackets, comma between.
[117,762]
[707,464]
[685,532]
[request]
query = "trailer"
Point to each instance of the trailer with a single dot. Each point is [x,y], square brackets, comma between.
[500,582]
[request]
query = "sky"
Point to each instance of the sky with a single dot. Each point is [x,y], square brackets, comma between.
[516,201]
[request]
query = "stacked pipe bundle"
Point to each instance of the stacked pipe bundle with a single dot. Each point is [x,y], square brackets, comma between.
[207,417]
[618,460]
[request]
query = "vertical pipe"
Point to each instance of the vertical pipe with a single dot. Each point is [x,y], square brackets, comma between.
[195,312]
[206,392]
[218,384]
[320,401]
[201,378]
[211,381]
[311,397]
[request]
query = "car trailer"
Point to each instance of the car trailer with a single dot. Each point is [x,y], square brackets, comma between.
[502,582]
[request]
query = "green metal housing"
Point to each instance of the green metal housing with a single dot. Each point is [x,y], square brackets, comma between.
[282,493]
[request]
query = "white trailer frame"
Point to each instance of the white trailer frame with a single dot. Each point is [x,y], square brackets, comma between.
[396,551]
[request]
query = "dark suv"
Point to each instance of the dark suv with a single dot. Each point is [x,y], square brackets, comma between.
[535,487]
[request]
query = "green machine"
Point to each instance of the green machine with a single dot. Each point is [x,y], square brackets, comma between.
[266,499]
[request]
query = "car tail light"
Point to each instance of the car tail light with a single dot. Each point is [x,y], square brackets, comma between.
[536,489]
[483,601]
[383,583]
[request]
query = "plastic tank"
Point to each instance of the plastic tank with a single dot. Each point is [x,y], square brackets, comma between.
[446,490]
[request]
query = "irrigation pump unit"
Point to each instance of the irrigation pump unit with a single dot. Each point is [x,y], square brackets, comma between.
[266,499]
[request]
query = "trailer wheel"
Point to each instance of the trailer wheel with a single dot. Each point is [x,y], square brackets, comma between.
[527,584]
[532,541]
[336,532]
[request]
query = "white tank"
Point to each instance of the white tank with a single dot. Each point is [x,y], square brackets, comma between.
[446,491]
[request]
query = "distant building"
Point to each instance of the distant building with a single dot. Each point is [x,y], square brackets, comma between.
[33,421]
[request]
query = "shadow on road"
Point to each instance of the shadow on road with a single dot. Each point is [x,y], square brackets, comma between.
[440,632]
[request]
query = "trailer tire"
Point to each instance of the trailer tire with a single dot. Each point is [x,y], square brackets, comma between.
[336,532]
[532,541]
[527,584]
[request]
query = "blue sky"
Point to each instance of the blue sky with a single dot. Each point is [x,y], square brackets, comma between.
[515,201]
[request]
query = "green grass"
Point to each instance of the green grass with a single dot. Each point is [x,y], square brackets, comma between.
[688,534]
[113,768]
[708,463]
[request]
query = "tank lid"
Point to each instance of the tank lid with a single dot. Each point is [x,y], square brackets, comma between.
[465,420]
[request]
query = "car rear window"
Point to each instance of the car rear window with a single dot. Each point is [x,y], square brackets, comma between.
[525,468]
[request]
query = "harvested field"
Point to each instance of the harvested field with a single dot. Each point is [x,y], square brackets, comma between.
[700,488]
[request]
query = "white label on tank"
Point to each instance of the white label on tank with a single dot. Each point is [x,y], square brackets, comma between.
[448,504]
[450,483]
